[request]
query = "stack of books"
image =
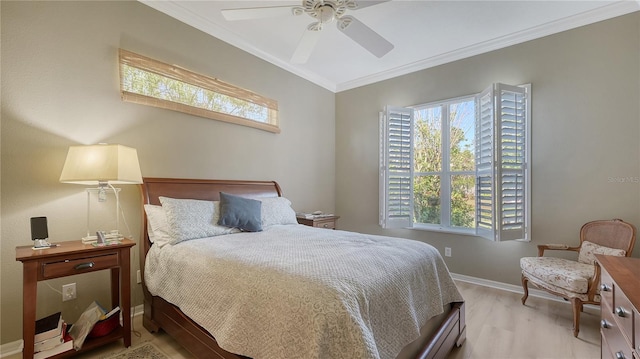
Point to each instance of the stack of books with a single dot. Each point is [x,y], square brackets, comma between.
[51,336]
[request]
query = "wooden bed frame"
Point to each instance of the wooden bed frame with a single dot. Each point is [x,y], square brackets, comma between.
[160,314]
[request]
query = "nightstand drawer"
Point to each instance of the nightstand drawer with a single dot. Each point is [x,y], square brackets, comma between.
[329,224]
[77,266]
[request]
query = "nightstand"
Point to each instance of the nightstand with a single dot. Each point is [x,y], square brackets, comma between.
[321,222]
[71,258]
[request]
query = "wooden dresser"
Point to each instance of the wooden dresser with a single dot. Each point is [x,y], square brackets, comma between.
[620,305]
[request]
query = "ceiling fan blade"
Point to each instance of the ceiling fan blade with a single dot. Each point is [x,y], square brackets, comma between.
[305,46]
[250,13]
[364,36]
[366,3]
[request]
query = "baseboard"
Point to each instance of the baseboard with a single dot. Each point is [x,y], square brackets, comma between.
[11,348]
[16,347]
[518,289]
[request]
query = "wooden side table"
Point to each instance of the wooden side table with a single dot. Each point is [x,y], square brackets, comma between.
[71,258]
[328,222]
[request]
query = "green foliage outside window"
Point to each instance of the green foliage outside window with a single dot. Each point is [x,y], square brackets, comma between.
[153,83]
[428,165]
[161,87]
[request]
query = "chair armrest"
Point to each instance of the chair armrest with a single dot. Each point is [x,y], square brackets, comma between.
[555,247]
[592,285]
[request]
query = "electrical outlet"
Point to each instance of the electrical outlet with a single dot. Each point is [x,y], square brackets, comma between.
[447,251]
[139,277]
[68,292]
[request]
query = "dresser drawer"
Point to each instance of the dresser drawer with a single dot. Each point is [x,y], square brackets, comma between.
[606,288]
[605,352]
[77,266]
[623,312]
[611,335]
[636,340]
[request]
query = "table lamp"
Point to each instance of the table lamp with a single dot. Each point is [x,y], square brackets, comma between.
[103,165]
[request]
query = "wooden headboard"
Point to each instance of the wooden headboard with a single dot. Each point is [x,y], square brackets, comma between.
[203,189]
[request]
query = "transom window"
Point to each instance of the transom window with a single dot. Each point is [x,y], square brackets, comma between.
[153,83]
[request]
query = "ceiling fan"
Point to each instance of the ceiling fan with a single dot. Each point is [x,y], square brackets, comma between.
[324,12]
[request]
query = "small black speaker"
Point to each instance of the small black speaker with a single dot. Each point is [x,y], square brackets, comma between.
[39,228]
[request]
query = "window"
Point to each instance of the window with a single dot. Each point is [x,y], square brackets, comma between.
[458,165]
[150,82]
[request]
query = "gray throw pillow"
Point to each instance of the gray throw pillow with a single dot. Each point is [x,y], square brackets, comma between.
[240,212]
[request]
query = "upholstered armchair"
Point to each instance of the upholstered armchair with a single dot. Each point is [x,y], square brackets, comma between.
[578,280]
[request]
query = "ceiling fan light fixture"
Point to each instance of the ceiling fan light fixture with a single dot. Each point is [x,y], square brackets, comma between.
[324,11]
[326,14]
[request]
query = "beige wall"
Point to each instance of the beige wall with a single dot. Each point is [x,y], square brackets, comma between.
[585,126]
[60,87]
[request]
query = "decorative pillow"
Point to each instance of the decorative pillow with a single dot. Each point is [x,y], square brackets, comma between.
[192,218]
[277,210]
[240,212]
[157,225]
[588,251]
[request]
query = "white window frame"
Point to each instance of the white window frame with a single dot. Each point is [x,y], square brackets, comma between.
[445,172]
[496,232]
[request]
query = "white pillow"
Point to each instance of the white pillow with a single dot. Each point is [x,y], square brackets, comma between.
[157,225]
[588,250]
[191,219]
[277,210]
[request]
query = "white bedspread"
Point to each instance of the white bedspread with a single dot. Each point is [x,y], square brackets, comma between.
[294,291]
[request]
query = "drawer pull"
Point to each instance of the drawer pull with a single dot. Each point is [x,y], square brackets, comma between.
[605,288]
[604,324]
[84,266]
[621,312]
[325,225]
[620,355]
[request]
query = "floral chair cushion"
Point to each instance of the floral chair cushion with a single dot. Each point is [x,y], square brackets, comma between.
[588,251]
[557,290]
[562,273]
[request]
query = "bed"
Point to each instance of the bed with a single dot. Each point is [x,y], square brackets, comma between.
[444,331]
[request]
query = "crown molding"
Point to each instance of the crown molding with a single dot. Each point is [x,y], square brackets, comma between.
[603,13]
[177,11]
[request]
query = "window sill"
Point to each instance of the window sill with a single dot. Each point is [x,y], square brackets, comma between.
[440,229]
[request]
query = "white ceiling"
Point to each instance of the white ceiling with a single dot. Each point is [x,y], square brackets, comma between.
[425,33]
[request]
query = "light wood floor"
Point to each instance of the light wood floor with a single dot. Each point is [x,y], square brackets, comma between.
[498,326]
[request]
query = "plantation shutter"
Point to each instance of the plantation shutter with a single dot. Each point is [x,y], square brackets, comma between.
[501,171]
[484,165]
[396,167]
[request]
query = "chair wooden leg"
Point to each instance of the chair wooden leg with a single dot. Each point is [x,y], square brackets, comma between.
[525,287]
[577,308]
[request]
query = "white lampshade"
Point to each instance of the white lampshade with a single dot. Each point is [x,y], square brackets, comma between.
[100,164]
